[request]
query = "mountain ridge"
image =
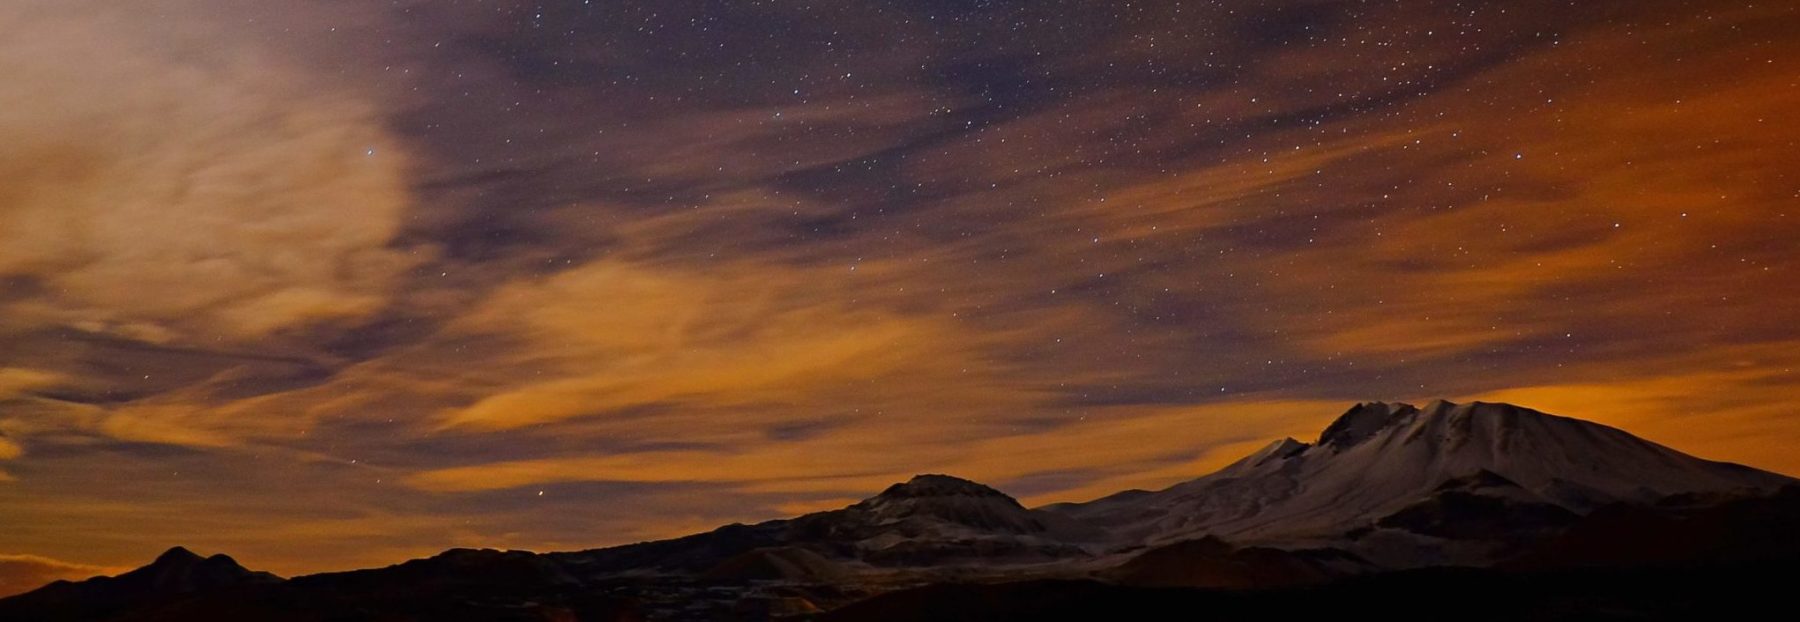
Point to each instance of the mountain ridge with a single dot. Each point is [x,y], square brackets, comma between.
[1387,486]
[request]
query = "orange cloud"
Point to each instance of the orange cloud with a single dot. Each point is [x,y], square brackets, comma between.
[23,573]
[1119,447]
[612,335]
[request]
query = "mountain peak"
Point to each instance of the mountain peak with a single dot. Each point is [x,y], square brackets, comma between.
[1367,419]
[176,555]
[1442,406]
[1364,420]
[1278,450]
[181,570]
[1285,447]
[931,511]
[1494,415]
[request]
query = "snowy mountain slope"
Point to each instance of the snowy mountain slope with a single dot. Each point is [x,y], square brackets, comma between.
[947,506]
[934,519]
[1379,459]
[930,520]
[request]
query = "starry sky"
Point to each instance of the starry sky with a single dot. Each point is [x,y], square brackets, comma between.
[331,283]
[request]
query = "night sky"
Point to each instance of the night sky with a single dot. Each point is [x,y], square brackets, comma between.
[334,283]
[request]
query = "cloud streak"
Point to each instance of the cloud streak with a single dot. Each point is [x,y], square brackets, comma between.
[23,573]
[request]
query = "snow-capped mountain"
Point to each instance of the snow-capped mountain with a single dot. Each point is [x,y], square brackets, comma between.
[936,519]
[1431,471]
[928,521]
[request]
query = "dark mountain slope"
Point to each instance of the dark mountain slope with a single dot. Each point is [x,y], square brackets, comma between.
[1214,563]
[1676,532]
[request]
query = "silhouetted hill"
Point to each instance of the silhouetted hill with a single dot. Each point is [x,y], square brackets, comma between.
[173,575]
[1674,532]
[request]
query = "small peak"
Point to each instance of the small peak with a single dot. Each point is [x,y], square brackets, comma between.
[937,485]
[1287,445]
[1281,449]
[175,555]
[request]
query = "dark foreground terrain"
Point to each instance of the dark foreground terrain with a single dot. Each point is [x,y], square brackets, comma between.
[1741,591]
[1730,592]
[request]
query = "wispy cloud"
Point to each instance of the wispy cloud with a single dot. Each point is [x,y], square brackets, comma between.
[185,185]
[23,573]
